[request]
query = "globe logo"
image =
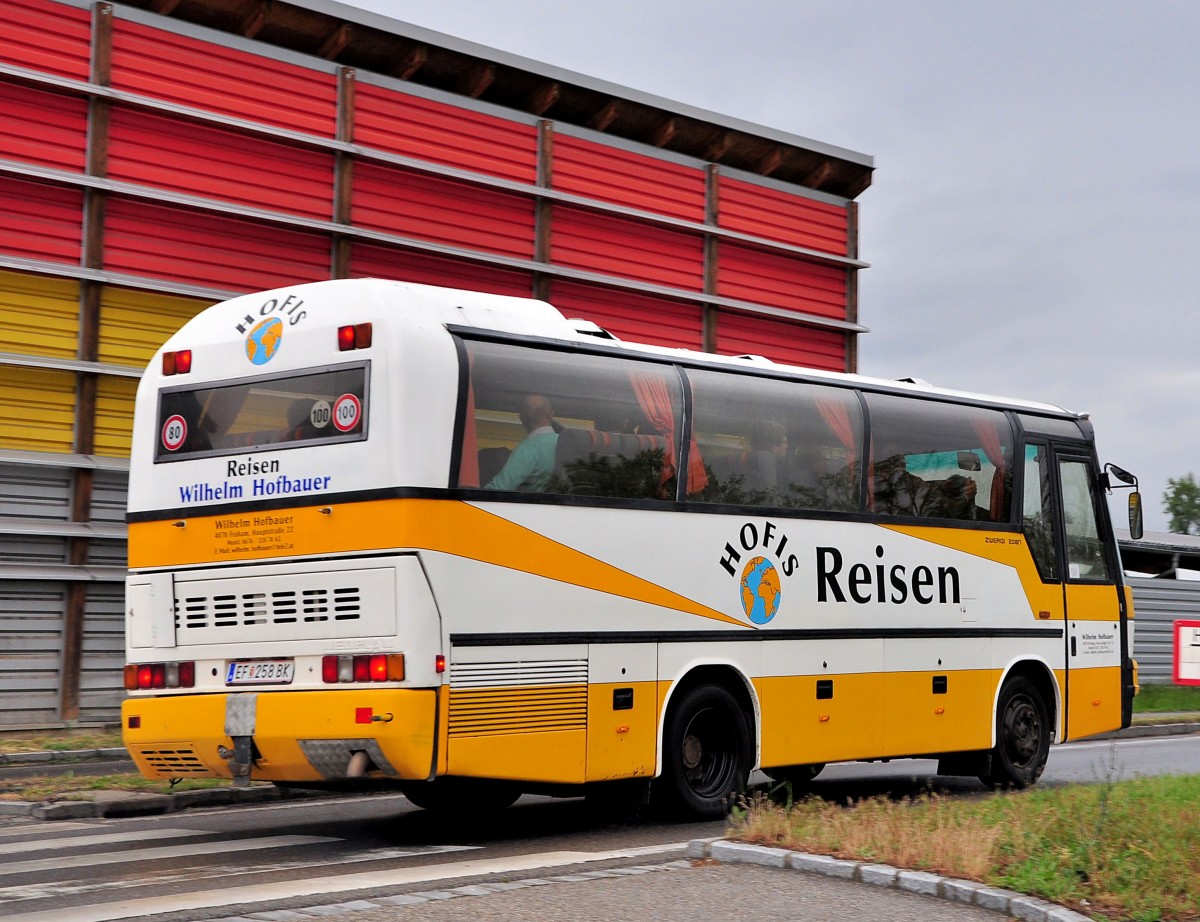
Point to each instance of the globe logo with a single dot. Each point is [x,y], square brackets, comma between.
[760,590]
[263,341]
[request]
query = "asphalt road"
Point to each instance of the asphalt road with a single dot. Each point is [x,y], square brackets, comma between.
[543,859]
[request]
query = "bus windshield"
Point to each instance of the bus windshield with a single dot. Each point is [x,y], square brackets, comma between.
[325,405]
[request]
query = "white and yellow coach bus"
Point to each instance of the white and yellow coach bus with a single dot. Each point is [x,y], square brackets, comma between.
[386,531]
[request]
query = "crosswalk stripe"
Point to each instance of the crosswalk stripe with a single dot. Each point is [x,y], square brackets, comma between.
[370,880]
[60,862]
[110,838]
[26,828]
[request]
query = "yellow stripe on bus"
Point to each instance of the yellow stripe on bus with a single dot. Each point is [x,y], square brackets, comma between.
[444,526]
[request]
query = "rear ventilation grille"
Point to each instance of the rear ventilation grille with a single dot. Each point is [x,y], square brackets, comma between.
[498,699]
[286,606]
[171,763]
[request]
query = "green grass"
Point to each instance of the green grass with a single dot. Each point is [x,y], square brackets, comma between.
[1118,851]
[58,740]
[1155,698]
[70,786]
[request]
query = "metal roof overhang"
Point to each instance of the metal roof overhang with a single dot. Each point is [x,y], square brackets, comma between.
[368,41]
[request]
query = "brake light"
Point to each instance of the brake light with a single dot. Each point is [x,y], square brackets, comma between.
[357,336]
[177,363]
[375,667]
[142,676]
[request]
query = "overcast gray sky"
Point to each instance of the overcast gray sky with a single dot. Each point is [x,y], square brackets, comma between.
[1033,227]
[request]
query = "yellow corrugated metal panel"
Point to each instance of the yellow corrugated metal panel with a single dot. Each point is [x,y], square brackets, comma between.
[39,315]
[114,415]
[133,324]
[37,409]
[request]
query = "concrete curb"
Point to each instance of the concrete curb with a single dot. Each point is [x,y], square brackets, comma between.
[125,804]
[69,755]
[1015,905]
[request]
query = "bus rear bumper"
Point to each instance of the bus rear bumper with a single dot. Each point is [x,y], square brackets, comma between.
[297,736]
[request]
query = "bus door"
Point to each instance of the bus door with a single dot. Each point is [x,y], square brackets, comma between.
[1094,613]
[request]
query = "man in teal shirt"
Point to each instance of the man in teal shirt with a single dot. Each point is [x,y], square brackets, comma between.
[531,463]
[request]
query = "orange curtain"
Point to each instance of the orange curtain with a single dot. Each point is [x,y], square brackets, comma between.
[468,465]
[654,397]
[989,439]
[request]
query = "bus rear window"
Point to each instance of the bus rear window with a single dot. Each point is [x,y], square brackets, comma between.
[309,408]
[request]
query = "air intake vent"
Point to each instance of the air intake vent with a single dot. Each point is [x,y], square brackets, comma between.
[171,763]
[286,606]
[314,605]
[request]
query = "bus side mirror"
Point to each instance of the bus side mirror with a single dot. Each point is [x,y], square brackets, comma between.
[1135,515]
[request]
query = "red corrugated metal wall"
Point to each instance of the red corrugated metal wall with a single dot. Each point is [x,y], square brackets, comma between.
[204,75]
[37,126]
[46,36]
[779,340]
[369,261]
[439,133]
[627,248]
[610,174]
[442,210]
[196,159]
[647,225]
[40,221]
[780,280]
[777,215]
[629,315]
[217,250]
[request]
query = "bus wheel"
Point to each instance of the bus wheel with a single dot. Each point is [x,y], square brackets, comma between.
[1022,737]
[461,796]
[706,759]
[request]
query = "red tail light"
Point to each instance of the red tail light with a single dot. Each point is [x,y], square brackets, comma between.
[375,667]
[142,676]
[177,363]
[357,336]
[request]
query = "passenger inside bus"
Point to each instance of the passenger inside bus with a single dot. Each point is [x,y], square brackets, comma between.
[531,463]
[766,466]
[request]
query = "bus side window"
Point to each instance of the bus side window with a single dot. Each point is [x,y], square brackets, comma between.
[616,423]
[939,460]
[1036,519]
[777,443]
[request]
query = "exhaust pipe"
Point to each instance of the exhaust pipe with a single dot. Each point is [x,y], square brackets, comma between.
[360,762]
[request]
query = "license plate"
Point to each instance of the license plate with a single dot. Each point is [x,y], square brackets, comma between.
[261,672]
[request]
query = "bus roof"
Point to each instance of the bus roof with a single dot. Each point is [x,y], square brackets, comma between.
[478,314]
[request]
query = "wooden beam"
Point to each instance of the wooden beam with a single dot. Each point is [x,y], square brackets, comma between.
[410,61]
[256,19]
[718,146]
[818,176]
[335,42]
[770,161]
[543,98]
[164,7]
[663,134]
[606,116]
[476,80]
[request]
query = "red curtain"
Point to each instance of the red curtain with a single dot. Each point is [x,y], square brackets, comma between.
[989,439]
[654,396]
[468,466]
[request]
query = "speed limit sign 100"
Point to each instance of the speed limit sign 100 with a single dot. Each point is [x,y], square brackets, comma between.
[346,411]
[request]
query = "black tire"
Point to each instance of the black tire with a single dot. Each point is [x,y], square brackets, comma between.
[707,753]
[461,796]
[1022,736]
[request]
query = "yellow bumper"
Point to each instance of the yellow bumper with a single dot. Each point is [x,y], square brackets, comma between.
[298,736]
